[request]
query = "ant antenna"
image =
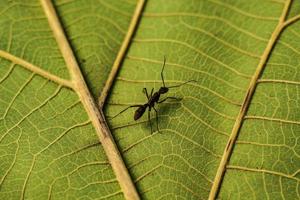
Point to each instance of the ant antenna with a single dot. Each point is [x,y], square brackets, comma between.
[161,74]
[182,84]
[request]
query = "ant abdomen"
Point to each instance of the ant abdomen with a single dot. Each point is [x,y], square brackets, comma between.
[140,111]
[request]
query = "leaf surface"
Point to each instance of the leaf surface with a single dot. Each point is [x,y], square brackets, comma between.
[234,135]
[49,148]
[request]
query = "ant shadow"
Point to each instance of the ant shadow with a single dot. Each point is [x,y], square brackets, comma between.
[165,111]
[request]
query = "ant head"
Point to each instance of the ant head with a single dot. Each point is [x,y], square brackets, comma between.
[163,90]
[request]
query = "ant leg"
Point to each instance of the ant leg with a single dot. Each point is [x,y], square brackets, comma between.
[145,90]
[149,120]
[162,70]
[156,119]
[178,99]
[125,110]
[151,92]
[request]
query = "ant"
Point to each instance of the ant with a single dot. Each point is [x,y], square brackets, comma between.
[152,99]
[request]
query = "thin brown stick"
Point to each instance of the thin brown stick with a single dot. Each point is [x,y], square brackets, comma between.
[117,64]
[96,116]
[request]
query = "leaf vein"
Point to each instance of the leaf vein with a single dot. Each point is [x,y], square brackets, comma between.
[242,12]
[186,68]
[233,167]
[31,112]
[223,21]
[36,69]
[151,40]
[225,43]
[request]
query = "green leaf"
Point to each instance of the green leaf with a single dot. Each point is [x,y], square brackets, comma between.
[234,135]
[95,29]
[49,147]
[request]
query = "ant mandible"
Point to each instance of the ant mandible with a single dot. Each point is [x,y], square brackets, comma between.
[152,99]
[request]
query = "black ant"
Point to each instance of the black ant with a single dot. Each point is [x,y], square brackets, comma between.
[152,99]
